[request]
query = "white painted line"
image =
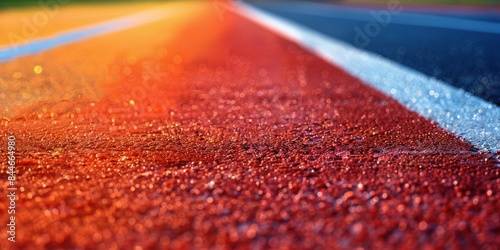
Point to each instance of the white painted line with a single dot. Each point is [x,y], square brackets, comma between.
[453,109]
[40,45]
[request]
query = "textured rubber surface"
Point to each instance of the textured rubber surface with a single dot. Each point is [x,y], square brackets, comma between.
[456,111]
[241,139]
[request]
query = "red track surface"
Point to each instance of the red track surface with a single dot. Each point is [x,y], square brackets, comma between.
[247,141]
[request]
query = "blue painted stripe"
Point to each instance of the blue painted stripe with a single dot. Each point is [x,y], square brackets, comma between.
[412,19]
[455,110]
[41,45]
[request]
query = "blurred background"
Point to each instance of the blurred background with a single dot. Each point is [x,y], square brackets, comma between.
[24,3]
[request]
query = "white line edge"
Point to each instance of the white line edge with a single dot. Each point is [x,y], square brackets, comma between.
[455,110]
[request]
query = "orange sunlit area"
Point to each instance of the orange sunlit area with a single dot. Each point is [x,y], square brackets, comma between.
[104,87]
[39,82]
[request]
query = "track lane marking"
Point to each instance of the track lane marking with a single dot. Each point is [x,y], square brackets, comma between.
[9,53]
[453,109]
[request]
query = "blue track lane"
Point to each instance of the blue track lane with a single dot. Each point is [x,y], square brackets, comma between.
[461,49]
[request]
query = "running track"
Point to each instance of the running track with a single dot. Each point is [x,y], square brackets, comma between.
[219,133]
